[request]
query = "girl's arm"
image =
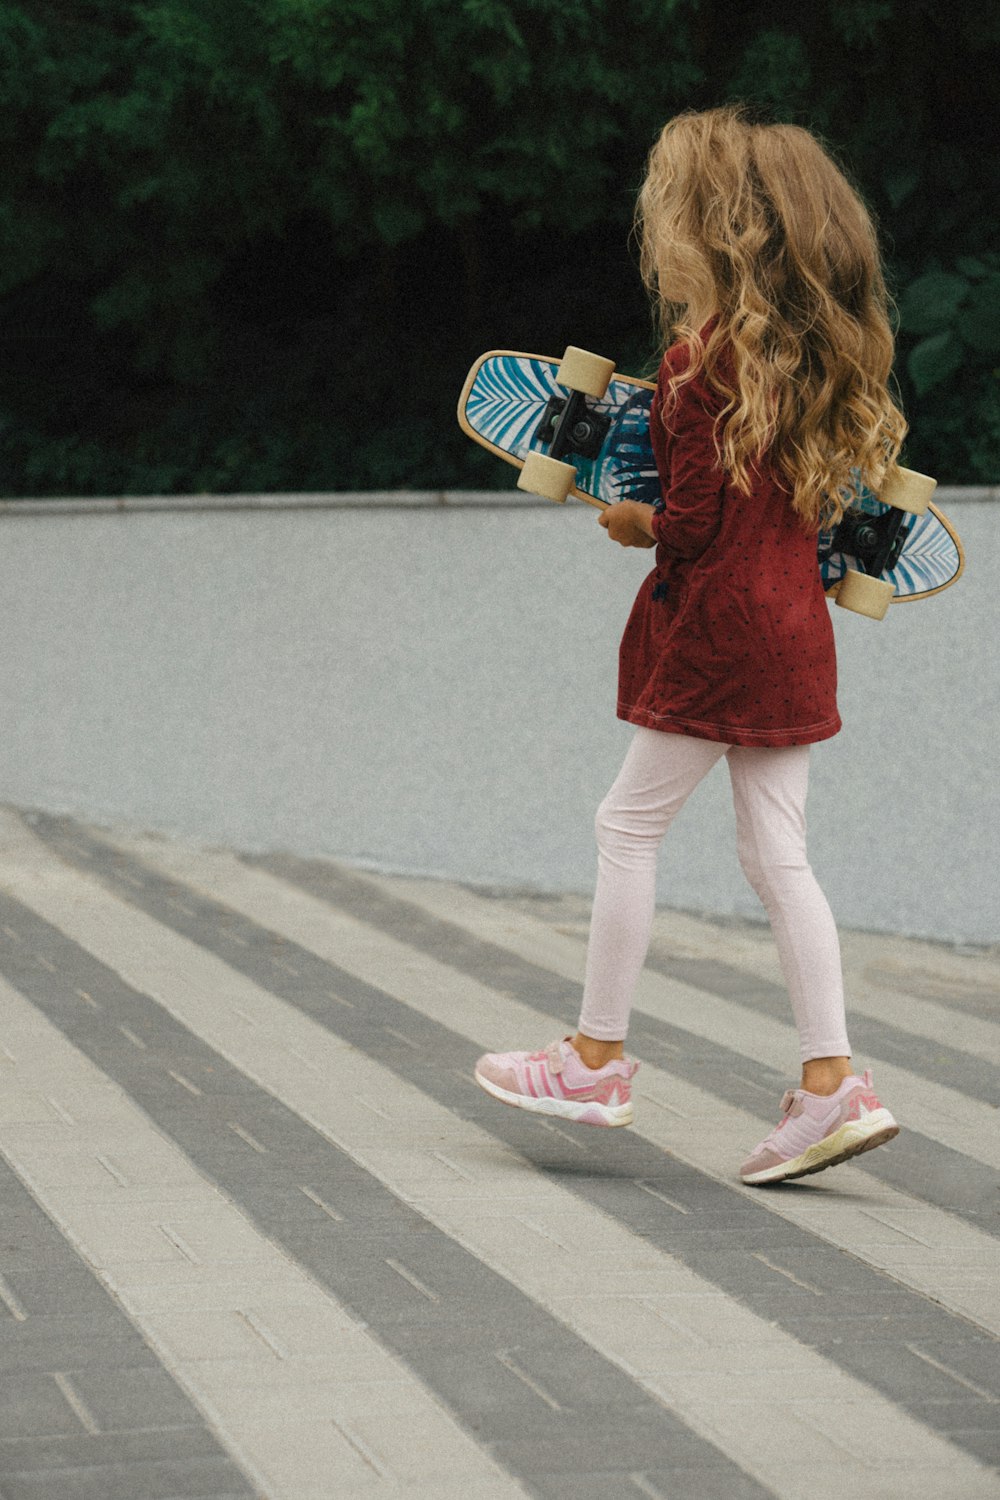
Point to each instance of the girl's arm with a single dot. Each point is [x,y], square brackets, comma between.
[688,514]
[629,522]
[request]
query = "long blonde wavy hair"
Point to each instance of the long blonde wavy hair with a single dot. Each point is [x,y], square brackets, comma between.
[758,222]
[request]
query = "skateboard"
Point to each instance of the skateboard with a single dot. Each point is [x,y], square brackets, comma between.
[576,427]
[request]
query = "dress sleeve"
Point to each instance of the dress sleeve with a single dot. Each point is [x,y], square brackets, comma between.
[689,511]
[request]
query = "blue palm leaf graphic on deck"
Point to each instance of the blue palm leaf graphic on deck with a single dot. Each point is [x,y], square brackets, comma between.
[508,400]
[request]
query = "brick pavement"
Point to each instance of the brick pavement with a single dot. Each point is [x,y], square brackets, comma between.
[262,1236]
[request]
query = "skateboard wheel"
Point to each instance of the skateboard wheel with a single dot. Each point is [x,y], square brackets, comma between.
[585,372]
[865,595]
[905,489]
[546,476]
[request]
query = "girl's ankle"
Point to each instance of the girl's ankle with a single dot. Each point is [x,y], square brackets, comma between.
[823,1076]
[594,1053]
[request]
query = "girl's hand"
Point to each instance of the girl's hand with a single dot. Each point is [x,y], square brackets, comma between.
[629,523]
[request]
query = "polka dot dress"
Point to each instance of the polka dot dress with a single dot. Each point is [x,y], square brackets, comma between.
[730,636]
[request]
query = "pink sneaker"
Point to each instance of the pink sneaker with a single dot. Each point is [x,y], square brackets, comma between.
[819,1131]
[556,1081]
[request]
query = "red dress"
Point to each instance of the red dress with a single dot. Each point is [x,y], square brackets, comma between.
[730,636]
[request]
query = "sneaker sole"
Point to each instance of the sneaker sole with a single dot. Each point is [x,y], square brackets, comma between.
[850,1140]
[584,1112]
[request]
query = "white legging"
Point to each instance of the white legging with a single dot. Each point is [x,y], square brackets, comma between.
[659,773]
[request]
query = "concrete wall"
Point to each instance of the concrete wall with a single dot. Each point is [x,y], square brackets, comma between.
[426,684]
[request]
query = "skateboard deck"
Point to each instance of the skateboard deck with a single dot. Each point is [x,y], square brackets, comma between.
[511,403]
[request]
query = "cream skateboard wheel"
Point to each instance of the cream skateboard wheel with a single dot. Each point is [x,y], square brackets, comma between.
[905,489]
[546,476]
[865,595]
[581,371]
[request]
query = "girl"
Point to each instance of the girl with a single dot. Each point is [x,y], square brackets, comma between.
[771,399]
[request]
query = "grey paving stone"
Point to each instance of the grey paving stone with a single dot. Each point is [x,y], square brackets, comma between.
[769,1239]
[848,1308]
[983,1444]
[496,1405]
[970,1415]
[976,1358]
[421,1344]
[709,1484]
[120,1400]
[968,997]
[321,1234]
[103,1450]
[845,1339]
[188,1478]
[674,1483]
[56,1289]
[739,1269]
[535,1457]
[831,1268]
[914,1378]
[936,1174]
[574,1377]
[33,1406]
[24,1251]
[68,1342]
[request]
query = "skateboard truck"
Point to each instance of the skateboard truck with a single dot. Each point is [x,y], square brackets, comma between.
[569,425]
[875,542]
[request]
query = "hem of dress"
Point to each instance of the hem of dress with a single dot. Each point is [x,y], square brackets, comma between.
[727,734]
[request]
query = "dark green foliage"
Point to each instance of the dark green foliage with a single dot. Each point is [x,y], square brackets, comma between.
[255,244]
